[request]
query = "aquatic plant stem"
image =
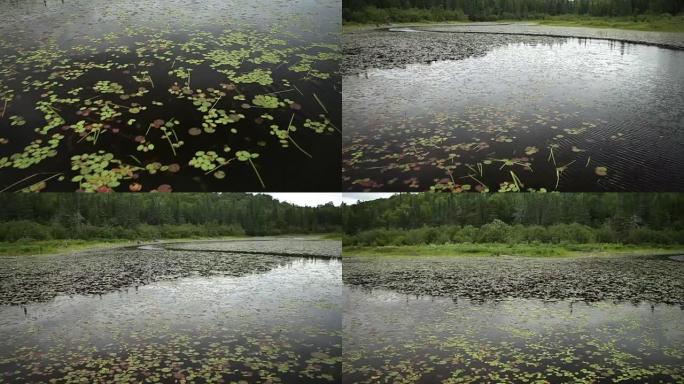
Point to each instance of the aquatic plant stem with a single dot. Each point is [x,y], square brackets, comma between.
[337,129]
[3,110]
[151,82]
[551,156]
[320,103]
[516,180]
[275,93]
[171,144]
[480,182]
[48,179]
[220,166]
[295,87]
[212,107]
[257,173]
[30,177]
[19,182]
[293,141]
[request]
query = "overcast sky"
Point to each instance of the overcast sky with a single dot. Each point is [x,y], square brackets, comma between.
[308,199]
[353,198]
[316,199]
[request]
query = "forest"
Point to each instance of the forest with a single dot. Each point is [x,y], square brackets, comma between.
[130,216]
[578,218]
[378,11]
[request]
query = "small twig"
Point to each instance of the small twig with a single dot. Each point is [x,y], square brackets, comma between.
[151,82]
[3,110]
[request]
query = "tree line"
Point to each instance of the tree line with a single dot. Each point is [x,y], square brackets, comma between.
[635,218]
[484,10]
[131,216]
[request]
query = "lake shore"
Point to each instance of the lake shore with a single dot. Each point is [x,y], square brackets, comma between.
[57,247]
[520,250]
[659,25]
[648,277]
[97,271]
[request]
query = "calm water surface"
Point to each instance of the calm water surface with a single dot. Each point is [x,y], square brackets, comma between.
[391,337]
[279,326]
[173,95]
[576,115]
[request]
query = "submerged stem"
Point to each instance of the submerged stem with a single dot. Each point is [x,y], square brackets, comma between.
[171,144]
[257,173]
[320,102]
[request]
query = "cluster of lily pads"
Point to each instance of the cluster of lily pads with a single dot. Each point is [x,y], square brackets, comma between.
[144,95]
[481,149]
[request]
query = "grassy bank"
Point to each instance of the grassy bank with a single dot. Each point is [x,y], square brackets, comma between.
[47,247]
[496,249]
[645,23]
[641,23]
[42,247]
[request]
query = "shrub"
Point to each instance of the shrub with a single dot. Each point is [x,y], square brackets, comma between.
[24,229]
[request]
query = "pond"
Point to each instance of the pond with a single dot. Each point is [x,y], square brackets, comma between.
[169,96]
[278,321]
[497,114]
[391,337]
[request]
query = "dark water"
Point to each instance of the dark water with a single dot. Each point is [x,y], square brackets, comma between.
[279,326]
[186,62]
[575,115]
[391,337]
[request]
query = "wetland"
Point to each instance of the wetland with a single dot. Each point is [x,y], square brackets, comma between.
[507,319]
[101,96]
[174,316]
[451,109]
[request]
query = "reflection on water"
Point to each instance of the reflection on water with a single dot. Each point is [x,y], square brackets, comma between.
[392,337]
[280,325]
[169,95]
[573,116]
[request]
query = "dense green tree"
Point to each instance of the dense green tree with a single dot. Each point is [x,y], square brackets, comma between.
[75,214]
[623,210]
[356,10]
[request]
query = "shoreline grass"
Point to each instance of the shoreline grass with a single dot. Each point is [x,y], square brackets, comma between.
[56,247]
[522,250]
[647,23]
